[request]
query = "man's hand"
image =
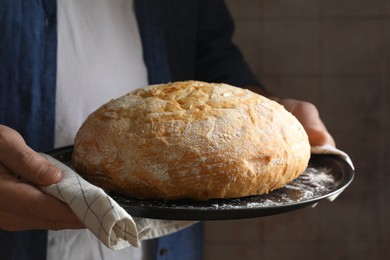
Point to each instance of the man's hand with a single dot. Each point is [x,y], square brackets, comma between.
[306,113]
[22,205]
[310,119]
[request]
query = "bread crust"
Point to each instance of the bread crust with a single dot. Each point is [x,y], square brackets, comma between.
[191,140]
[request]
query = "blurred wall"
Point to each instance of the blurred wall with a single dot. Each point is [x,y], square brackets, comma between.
[335,54]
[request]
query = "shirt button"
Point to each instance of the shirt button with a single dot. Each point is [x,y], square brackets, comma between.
[163,251]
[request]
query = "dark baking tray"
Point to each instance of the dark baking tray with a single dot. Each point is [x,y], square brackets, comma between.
[325,177]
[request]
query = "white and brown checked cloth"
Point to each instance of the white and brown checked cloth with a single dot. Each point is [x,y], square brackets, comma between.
[328,149]
[102,215]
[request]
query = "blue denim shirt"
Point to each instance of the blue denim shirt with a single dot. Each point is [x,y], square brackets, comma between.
[182,40]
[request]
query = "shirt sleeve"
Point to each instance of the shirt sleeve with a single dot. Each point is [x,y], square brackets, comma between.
[218,58]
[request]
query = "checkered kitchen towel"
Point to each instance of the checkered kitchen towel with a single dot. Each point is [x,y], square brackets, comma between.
[102,215]
[328,149]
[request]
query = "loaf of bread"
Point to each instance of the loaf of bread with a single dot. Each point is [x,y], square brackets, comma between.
[192,140]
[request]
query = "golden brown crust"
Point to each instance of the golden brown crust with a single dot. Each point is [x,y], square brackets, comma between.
[191,140]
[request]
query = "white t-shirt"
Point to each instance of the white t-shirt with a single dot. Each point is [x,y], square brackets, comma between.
[99,58]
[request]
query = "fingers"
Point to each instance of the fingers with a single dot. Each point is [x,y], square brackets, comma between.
[23,207]
[310,119]
[23,161]
[318,137]
[12,222]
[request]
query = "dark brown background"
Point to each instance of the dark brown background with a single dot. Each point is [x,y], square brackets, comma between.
[336,54]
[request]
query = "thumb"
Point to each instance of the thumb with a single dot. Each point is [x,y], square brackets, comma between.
[24,161]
